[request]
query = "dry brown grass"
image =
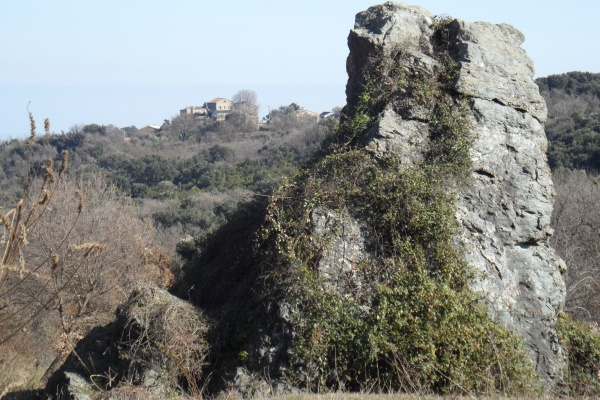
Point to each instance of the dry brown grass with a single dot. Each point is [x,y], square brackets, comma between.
[166,334]
[128,392]
[364,396]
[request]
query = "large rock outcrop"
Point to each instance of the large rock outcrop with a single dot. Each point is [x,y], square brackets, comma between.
[331,295]
[505,210]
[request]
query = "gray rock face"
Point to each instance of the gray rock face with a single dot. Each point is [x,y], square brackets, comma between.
[337,268]
[505,211]
[506,218]
[494,67]
[79,387]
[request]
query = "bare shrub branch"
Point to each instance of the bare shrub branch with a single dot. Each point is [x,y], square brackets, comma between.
[576,221]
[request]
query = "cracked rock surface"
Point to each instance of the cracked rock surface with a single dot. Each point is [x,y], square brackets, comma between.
[504,213]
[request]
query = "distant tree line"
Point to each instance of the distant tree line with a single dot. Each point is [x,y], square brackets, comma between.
[573,126]
[175,165]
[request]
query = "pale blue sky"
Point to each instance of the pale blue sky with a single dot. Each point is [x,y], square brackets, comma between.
[134,62]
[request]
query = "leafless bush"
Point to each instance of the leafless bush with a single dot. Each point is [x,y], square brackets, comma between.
[184,127]
[284,120]
[242,119]
[561,104]
[71,251]
[116,247]
[576,220]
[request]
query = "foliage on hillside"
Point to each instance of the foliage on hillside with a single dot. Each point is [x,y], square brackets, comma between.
[576,220]
[572,83]
[175,181]
[582,346]
[71,250]
[413,312]
[417,327]
[573,131]
[573,126]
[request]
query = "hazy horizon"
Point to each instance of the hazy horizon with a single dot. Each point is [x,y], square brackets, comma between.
[139,62]
[162,101]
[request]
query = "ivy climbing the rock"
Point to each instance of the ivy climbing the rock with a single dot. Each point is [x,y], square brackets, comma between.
[408,318]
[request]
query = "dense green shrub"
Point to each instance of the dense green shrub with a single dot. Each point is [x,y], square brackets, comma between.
[582,345]
[94,129]
[572,82]
[184,214]
[421,314]
[577,145]
[70,141]
[573,126]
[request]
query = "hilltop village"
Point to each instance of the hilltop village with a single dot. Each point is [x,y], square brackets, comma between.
[246,109]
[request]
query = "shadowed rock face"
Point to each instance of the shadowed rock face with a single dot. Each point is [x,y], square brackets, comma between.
[505,211]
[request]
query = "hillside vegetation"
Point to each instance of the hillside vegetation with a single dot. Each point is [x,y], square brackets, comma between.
[190,184]
[573,126]
[573,131]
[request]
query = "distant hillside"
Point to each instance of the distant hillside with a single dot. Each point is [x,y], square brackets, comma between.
[187,180]
[347,275]
[572,83]
[573,126]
